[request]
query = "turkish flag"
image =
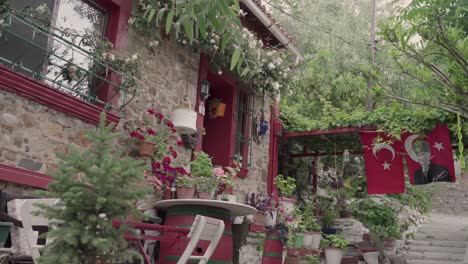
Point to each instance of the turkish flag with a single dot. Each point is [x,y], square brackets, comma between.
[429,158]
[384,164]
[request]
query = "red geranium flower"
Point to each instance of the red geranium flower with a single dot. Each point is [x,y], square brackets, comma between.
[166,160]
[151,111]
[160,116]
[180,143]
[151,131]
[174,154]
[170,124]
[173,130]
[156,165]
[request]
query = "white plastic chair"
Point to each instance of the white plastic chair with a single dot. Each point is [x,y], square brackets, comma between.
[29,220]
[203,228]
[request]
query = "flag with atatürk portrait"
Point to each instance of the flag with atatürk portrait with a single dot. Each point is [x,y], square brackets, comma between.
[384,164]
[429,158]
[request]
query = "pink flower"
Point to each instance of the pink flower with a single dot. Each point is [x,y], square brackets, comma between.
[160,116]
[218,172]
[166,160]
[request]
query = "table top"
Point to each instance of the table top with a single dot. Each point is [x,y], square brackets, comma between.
[236,209]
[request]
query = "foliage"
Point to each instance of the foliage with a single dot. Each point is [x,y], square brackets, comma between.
[95,187]
[329,215]
[214,26]
[415,197]
[286,185]
[185,181]
[379,218]
[429,46]
[201,165]
[206,184]
[309,220]
[310,259]
[261,241]
[262,203]
[336,241]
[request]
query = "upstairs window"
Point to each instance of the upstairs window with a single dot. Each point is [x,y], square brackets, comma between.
[56,42]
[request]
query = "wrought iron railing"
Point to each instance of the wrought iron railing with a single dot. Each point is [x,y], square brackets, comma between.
[53,57]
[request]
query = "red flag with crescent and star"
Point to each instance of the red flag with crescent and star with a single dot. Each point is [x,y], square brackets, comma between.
[429,158]
[384,164]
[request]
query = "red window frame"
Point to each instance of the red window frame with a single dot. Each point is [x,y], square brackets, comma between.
[117,31]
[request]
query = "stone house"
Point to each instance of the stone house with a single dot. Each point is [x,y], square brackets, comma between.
[41,111]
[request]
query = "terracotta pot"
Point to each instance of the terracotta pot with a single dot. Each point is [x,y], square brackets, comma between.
[146,149]
[333,255]
[259,219]
[185,192]
[204,195]
[292,260]
[167,194]
[312,239]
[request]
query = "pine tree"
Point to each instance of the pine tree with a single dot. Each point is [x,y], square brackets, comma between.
[95,187]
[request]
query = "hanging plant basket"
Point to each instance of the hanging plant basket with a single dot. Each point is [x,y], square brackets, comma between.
[185,119]
[217,109]
[146,149]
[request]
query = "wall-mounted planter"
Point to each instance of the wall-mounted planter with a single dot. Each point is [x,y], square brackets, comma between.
[312,239]
[287,204]
[298,240]
[4,232]
[334,255]
[371,256]
[185,121]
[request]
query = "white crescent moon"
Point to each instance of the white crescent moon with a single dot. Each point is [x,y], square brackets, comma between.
[409,147]
[379,146]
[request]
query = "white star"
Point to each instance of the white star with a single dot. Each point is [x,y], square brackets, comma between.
[386,166]
[438,146]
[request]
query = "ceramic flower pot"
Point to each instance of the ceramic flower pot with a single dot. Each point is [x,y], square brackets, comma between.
[185,121]
[371,256]
[260,219]
[312,239]
[333,255]
[298,240]
[185,192]
[204,195]
[146,149]
[4,232]
[270,218]
[287,204]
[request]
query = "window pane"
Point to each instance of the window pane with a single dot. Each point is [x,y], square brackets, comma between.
[57,55]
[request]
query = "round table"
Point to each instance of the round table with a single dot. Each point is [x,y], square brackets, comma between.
[181,213]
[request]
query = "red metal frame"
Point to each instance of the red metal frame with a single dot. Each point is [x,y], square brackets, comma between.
[329,131]
[275,129]
[47,96]
[23,176]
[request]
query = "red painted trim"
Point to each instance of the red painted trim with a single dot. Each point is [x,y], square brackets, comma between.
[203,69]
[275,129]
[329,131]
[43,94]
[23,176]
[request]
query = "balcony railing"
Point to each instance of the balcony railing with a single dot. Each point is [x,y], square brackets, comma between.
[62,60]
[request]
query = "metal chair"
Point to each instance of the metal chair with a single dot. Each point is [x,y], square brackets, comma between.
[33,223]
[203,228]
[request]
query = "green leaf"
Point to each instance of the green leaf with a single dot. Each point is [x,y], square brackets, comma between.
[235,58]
[151,15]
[188,28]
[169,19]
[244,72]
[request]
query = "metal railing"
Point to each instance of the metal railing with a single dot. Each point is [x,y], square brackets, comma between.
[62,61]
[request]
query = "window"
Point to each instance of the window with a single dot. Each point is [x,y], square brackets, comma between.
[52,41]
[242,138]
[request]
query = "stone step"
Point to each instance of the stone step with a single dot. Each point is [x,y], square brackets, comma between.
[459,250]
[418,261]
[438,256]
[441,236]
[437,243]
[439,228]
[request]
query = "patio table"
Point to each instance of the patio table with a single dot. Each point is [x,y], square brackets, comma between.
[181,213]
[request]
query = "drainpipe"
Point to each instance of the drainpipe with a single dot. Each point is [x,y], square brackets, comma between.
[266,21]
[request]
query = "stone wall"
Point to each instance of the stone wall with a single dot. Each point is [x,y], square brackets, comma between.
[451,198]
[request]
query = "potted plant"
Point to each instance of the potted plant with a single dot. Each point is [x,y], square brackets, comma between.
[312,233]
[292,257]
[299,234]
[154,134]
[225,178]
[328,217]
[202,172]
[310,259]
[286,186]
[335,246]
[185,187]
[262,204]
